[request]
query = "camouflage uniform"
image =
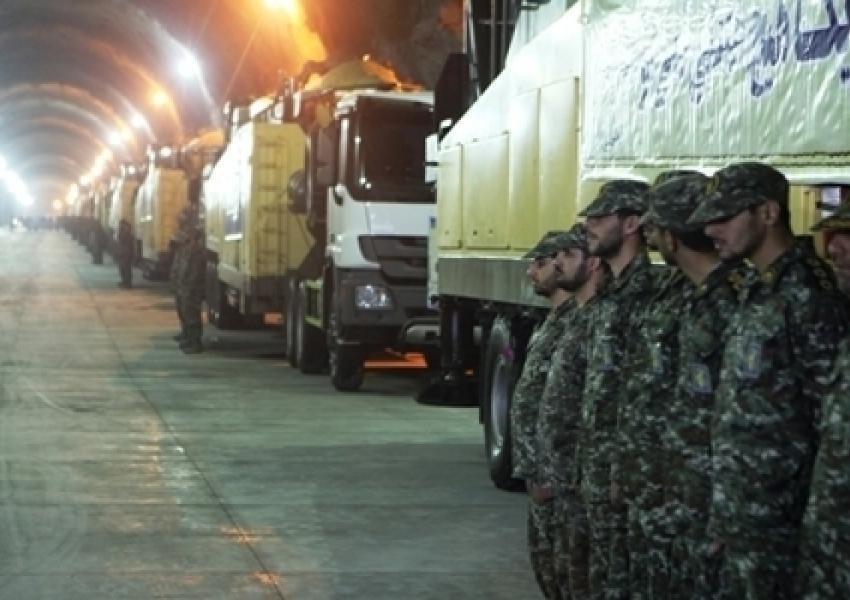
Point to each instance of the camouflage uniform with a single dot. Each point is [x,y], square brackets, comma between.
[188,270]
[777,364]
[824,571]
[558,424]
[613,323]
[638,467]
[706,312]
[544,527]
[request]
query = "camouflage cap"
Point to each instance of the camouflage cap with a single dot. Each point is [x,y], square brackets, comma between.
[672,202]
[549,244]
[738,187]
[671,174]
[618,195]
[840,219]
[576,237]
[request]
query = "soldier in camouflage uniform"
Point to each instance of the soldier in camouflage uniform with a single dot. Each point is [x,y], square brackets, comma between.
[777,365]
[615,235]
[559,413]
[674,525]
[652,367]
[824,572]
[188,269]
[544,539]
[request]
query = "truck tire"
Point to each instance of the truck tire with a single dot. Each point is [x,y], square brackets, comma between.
[500,371]
[311,352]
[345,362]
[289,325]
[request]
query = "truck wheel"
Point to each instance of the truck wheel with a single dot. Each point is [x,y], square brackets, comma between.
[500,373]
[345,362]
[311,353]
[289,324]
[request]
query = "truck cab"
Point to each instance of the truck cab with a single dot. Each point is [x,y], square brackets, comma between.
[364,191]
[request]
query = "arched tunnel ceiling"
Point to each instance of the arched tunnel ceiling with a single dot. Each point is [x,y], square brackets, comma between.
[73,74]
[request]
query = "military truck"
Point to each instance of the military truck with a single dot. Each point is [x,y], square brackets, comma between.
[366,204]
[599,90]
[256,243]
[171,178]
[122,198]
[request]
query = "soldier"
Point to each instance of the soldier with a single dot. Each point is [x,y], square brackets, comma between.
[125,253]
[614,234]
[652,366]
[543,543]
[824,572]
[674,527]
[187,278]
[559,414]
[777,364]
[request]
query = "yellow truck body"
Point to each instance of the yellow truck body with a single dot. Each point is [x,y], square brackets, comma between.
[160,198]
[122,202]
[253,237]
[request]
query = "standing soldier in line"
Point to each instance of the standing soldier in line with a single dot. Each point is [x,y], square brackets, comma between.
[190,290]
[675,527]
[543,540]
[777,364]
[652,367]
[125,253]
[559,415]
[614,234]
[824,572]
[187,279]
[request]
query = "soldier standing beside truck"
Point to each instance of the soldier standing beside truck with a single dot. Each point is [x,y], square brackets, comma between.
[125,251]
[559,414]
[777,365]
[614,235]
[544,541]
[824,572]
[187,278]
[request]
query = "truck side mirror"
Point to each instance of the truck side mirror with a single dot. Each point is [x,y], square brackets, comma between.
[296,190]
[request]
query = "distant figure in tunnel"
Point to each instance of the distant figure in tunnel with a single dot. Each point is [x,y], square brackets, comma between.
[124,254]
[187,277]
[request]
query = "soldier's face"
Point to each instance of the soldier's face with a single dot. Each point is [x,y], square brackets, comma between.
[656,240]
[573,269]
[604,235]
[543,275]
[838,249]
[739,236]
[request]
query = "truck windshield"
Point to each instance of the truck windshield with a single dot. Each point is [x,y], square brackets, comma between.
[389,161]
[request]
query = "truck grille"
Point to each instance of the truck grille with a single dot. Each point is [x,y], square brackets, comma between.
[403,259]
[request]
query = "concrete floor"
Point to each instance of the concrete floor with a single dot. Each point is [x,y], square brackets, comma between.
[128,470]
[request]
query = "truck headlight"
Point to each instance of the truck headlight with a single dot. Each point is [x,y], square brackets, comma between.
[372,297]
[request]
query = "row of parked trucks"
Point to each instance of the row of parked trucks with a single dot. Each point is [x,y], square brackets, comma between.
[315,206]
[320,205]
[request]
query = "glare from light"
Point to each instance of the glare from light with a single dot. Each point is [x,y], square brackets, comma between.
[58,206]
[160,99]
[86,180]
[14,184]
[188,66]
[138,121]
[115,139]
[166,152]
[73,192]
[291,7]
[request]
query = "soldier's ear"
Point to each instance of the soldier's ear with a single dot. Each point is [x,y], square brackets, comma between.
[771,212]
[631,224]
